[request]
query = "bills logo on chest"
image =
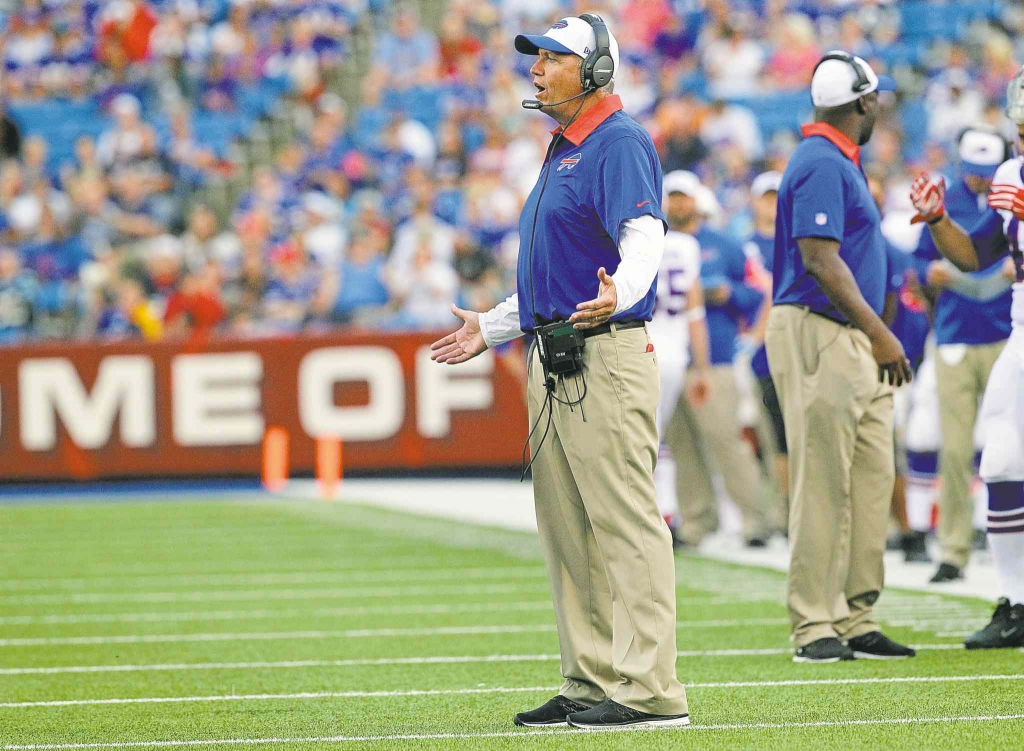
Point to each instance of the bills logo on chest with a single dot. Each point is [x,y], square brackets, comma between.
[569,162]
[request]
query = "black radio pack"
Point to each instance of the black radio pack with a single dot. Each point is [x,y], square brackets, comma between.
[560,347]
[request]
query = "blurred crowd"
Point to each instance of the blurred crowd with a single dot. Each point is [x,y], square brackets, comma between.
[400,156]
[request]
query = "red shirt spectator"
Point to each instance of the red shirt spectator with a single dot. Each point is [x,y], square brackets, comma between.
[126,25]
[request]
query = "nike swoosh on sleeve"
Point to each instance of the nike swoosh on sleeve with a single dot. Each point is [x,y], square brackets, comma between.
[642,204]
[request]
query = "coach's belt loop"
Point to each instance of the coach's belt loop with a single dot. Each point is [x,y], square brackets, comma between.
[614,328]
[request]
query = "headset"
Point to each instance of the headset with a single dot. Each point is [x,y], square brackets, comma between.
[861,81]
[599,66]
[597,69]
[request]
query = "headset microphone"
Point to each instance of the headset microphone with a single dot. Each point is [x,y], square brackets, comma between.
[534,104]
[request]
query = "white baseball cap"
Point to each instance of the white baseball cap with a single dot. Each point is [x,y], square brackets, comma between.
[765,182]
[569,36]
[981,152]
[681,181]
[835,81]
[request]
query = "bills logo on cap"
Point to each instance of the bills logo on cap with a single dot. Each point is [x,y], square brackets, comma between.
[569,162]
[563,24]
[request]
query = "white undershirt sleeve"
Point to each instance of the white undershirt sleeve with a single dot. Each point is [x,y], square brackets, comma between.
[500,324]
[641,245]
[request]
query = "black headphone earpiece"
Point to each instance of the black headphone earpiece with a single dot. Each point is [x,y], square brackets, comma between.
[599,66]
[860,108]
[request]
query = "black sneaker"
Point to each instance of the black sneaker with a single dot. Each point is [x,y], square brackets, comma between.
[894,542]
[757,542]
[608,716]
[947,572]
[915,549]
[829,649]
[553,712]
[878,646]
[1005,630]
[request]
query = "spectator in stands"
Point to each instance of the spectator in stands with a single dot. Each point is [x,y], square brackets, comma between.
[408,55]
[292,284]
[796,53]
[423,289]
[953,104]
[196,308]
[731,123]
[733,64]
[362,292]
[127,139]
[18,294]
[323,235]
[125,26]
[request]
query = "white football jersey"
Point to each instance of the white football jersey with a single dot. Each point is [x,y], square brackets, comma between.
[679,271]
[1011,172]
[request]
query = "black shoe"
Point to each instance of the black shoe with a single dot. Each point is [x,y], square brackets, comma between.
[980,540]
[757,542]
[829,649]
[915,549]
[895,542]
[947,572]
[608,715]
[1006,629]
[878,646]
[553,712]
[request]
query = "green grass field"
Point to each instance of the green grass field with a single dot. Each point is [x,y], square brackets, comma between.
[302,625]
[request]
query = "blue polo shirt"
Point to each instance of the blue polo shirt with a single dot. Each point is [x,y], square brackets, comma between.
[603,172]
[824,193]
[722,261]
[959,319]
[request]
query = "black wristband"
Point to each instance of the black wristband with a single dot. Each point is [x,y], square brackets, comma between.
[936,220]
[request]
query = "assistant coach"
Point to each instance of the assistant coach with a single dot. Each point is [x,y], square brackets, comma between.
[593,224]
[833,363]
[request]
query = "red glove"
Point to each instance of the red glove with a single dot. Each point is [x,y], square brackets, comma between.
[928,194]
[1007,198]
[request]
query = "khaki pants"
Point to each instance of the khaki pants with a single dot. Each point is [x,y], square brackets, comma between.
[962,373]
[838,421]
[706,439]
[607,549]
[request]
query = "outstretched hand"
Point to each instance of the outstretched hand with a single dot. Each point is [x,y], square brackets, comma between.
[461,345]
[600,309]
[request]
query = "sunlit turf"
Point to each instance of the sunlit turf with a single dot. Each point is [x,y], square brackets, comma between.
[291,620]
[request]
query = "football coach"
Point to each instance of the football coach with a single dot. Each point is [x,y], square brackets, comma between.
[834,362]
[592,234]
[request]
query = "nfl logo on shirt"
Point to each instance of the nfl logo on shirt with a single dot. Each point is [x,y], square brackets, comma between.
[821,219]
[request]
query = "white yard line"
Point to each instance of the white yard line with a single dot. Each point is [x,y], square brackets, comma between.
[262,614]
[364,633]
[303,696]
[333,593]
[49,619]
[421,573]
[370,633]
[507,734]
[381,661]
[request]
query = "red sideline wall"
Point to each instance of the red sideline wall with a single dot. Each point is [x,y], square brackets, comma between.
[91,410]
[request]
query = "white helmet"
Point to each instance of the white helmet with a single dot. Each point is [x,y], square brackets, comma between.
[1015,98]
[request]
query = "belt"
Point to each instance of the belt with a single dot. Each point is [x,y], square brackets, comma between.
[845,324]
[606,328]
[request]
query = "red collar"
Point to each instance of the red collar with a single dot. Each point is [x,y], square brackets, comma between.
[848,148]
[593,117]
